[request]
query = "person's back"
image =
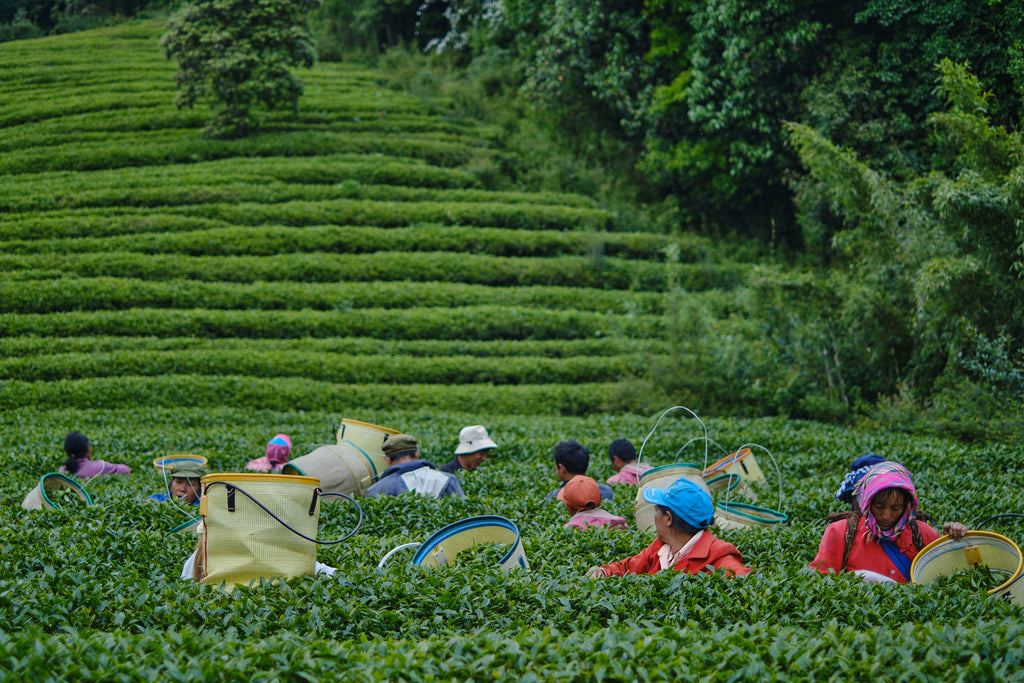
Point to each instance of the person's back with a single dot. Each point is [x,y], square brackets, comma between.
[582,498]
[628,469]
[79,460]
[406,472]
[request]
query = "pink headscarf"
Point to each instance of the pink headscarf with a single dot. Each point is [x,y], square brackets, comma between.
[886,475]
[278,449]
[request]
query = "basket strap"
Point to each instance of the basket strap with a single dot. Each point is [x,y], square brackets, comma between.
[231,488]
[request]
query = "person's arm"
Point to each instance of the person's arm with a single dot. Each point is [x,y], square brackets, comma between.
[452,488]
[637,564]
[114,468]
[731,562]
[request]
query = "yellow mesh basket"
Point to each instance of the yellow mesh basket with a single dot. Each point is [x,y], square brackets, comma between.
[369,438]
[242,541]
[742,464]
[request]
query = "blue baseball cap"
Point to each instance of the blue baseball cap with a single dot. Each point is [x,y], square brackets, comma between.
[686,499]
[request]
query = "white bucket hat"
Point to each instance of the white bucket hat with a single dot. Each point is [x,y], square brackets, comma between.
[473,439]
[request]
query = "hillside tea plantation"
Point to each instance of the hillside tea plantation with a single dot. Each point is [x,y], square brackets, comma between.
[167,294]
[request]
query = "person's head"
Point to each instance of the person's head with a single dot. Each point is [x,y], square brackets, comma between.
[621,452]
[77,448]
[571,459]
[887,499]
[859,467]
[186,481]
[474,446]
[278,449]
[682,509]
[399,448]
[580,493]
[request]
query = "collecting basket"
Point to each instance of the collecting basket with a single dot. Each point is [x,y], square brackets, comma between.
[369,438]
[167,462]
[945,556]
[341,468]
[443,547]
[742,464]
[42,496]
[258,525]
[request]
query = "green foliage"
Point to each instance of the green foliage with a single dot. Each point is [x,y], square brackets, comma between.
[74,606]
[936,252]
[237,54]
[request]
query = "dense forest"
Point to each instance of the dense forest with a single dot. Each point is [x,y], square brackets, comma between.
[872,144]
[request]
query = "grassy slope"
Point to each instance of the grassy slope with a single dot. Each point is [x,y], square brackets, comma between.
[143,302]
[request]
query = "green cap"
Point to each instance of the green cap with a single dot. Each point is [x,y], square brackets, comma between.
[188,470]
[398,444]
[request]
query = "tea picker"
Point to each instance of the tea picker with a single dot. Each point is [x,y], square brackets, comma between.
[880,543]
[80,462]
[683,512]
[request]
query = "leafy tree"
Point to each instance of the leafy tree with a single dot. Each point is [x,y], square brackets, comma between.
[938,253]
[237,53]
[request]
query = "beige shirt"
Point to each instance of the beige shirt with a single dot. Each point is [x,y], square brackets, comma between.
[667,558]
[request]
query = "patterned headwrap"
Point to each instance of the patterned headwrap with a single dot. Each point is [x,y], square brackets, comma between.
[886,475]
[279,448]
[858,469]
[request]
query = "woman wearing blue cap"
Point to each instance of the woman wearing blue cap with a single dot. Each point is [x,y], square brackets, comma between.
[684,512]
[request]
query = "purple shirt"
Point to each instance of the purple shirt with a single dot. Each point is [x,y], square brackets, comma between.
[87,469]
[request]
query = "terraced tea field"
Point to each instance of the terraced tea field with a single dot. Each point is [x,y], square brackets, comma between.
[165,293]
[342,255]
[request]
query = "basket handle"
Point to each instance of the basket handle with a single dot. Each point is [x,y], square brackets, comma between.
[231,488]
[404,546]
[989,519]
[640,455]
[778,472]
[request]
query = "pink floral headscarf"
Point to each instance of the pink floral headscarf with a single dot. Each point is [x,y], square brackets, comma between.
[278,449]
[886,475]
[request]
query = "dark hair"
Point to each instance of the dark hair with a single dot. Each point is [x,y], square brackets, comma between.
[891,494]
[622,449]
[678,523]
[76,445]
[572,456]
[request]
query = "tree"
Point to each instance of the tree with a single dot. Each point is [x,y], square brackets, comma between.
[938,253]
[237,53]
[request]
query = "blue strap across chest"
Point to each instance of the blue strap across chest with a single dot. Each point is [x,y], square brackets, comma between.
[901,561]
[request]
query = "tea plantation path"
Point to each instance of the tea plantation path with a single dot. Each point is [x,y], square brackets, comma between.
[164,293]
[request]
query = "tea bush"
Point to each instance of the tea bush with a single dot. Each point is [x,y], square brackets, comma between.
[97,587]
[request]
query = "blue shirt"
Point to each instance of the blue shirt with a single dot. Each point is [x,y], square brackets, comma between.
[166,498]
[416,475]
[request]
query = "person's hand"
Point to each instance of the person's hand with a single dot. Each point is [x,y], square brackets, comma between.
[954,530]
[596,573]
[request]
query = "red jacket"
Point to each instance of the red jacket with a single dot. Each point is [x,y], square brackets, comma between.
[865,553]
[708,551]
